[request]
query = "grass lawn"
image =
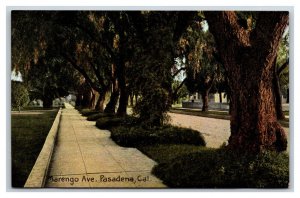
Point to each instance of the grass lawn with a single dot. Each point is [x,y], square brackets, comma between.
[221,168]
[28,133]
[218,114]
[183,161]
[198,112]
[163,153]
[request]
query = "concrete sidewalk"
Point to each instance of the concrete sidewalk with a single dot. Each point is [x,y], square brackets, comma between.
[86,157]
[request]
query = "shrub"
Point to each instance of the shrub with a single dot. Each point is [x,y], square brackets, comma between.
[96,116]
[88,112]
[178,135]
[135,136]
[225,169]
[162,153]
[19,94]
[108,122]
[153,105]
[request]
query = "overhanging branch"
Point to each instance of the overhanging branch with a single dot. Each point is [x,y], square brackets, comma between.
[282,67]
[178,71]
[82,71]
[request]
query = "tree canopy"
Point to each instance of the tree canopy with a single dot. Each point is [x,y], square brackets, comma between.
[97,54]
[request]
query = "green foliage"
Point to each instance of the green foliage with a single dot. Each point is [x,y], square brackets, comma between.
[152,107]
[180,93]
[109,122]
[202,66]
[128,131]
[162,153]
[88,112]
[283,50]
[24,42]
[50,78]
[51,49]
[159,33]
[224,169]
[96,116]
[282,58]
[139,136]
[19,94]
[91,42]
[209,114]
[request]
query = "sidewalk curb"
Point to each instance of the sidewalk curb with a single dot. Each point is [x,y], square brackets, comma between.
[37,176]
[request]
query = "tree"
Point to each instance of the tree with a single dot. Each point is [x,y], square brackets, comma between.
[154,62]
[34,55]
[82,39]
[106,38]
[180,91]
[80,34]
[19,95]
[201,64]
[221,83]
[248,53]
[281,74]
[122,55]
[25,45]
[158,34]
[109,49]
[50,78]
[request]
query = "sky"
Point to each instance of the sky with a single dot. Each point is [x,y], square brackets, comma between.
[16,76]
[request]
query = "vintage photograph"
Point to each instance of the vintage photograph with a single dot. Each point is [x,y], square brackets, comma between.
[148,99]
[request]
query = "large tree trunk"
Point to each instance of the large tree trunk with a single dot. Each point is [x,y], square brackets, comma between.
[254,125]
[100,102]
[174,94]
[78,100]
[93,100]
[204,93]
[248,58]
[47,102]
[86,100]
[84,96]
[136,98]
[123,102]
[204,96]
[131,99]
[111,105]
[220,97]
